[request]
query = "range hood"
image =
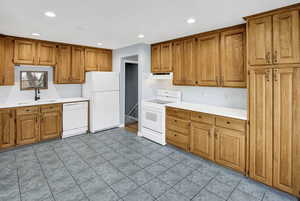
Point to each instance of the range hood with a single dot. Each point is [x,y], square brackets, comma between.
[161,76]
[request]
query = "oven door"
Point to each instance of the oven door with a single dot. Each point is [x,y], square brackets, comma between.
[152,118]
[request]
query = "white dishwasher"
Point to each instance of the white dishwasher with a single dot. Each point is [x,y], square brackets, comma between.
[75,118]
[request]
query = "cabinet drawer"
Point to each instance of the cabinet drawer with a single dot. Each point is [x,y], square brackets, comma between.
[27,110]
[202,117]
[178,125]
[230,123]
[178,139]
[178,113]
[50,108]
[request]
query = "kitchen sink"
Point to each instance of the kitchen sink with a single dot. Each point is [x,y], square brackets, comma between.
[47,101]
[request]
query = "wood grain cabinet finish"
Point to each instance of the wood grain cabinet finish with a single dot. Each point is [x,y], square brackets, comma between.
[233,54]
[7,69]
[7,128]
[178,63]
[51,122]
[202,140]
[161,58]
[261,125]
[230,148]
[207,57]
[98,60]
[105,60]
[46,53]
[274,39]
[286,129]
[25,51]
[77,65]
[63,67]
[28,126]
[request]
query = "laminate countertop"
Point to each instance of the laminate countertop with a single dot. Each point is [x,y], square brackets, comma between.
[26,103]
[210,109]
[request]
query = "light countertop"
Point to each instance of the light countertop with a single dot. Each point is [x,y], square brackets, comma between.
[42,102]
[210,109]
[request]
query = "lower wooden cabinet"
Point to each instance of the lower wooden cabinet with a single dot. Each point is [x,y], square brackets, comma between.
[28,127]
[216,138]
[50,122]
[230,148]
[202,140]
[7,128]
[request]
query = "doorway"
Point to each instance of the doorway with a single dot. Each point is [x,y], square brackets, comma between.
[131,94]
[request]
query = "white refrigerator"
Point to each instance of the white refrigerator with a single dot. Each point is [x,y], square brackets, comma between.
[102,88]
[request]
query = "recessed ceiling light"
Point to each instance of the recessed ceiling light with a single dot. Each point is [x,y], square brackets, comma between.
[50,14]
[35,34]
[191,21]
[141,36]
[99,44]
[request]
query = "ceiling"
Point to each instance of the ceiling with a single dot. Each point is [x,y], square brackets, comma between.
[117,23]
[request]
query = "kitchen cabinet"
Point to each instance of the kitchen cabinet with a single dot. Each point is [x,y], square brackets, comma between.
[98,60]
[202,140]
[63,67]
[233,52]
[7,128]
[207,60]
[7,75]
[274,39]
[51,122]
[46,53]
[28,127]
[25,51]
[261,125]
[77,65]
[178,59]
[161,58]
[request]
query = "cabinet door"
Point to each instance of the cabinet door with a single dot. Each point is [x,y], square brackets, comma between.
[9,67]
[166,57]
[77,67]
[261,126]
[202,140]
[260,41]
[7,128]
[207,56]
[233,51]
[105,60]
[189,62]
[46,54]
[178,52]
[91,59]
[50,125]
[230,148]
[155,58]
[63,68]
[2,56]
[25,52]
[27,129]
[286,129]
[286,41]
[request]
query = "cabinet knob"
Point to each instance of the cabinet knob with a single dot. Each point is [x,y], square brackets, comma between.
[199,117]
[228,122]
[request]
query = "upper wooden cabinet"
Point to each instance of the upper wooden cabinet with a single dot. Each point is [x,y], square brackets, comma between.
[7,128]
[63,67]
[274,39]
[184,62]
[25,51]
[161,58]
[77,65]
[233,54]
[7,75]
[207,56]
[46,53]
[98,59]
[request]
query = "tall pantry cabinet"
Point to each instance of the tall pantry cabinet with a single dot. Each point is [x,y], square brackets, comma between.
[274,98]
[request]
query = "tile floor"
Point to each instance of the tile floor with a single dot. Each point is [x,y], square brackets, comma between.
[116,165]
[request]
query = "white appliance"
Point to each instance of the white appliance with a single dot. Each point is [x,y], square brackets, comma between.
[154,114]
[102,89]
[75,118]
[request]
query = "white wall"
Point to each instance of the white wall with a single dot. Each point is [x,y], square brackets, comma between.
[227,97]
[13,93]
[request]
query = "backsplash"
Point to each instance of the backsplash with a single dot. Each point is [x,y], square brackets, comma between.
[14,94]
[224,97]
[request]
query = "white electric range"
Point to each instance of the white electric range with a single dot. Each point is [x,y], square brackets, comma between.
[154,114]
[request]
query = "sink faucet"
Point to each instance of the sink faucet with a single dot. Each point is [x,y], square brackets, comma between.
[37,94]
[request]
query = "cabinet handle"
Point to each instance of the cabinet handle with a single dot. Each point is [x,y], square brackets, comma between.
[275,56]
[216,135]
[268,57]
[267,75]
[276,75]
[217,80]
[175,135]
[199,117]
[228,122]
